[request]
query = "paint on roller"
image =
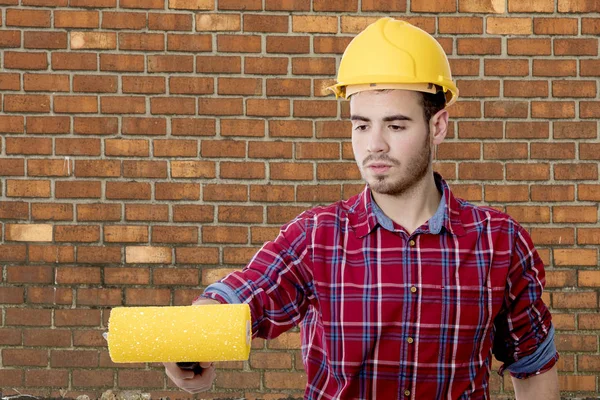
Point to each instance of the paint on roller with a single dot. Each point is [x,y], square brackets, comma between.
[179,334]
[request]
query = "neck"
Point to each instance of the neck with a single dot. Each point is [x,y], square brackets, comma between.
[414,207]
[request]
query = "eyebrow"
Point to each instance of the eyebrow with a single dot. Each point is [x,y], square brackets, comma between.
[397,117]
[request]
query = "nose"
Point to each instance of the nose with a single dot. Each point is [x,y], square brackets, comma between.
[377,142]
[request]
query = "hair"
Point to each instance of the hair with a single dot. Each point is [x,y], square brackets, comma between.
[433,103]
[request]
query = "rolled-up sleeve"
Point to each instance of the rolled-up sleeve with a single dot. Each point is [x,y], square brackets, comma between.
[277,283]
[524,339]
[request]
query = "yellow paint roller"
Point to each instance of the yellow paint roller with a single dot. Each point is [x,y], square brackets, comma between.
[214,332]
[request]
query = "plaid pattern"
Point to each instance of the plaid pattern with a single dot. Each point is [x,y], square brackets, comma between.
[387,315]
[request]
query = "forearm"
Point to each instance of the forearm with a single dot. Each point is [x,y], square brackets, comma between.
[538,387]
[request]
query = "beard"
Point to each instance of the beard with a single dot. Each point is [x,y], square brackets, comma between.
[398,184]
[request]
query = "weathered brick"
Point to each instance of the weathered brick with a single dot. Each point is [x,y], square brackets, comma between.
[139,42]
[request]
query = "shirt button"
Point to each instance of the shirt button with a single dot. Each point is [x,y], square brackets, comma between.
[407,392]
[411,243]
[410,340]
[413,289]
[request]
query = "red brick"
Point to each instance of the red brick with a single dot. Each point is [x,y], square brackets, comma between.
[123,20]
[268,107]
[28,18]
[144,169]
[590,26]
[9,81]
[191,43]
[25,357]
[174,234]
[144,126]
[122,105]
[135,379]
[126,148]
[223,106]
[13,252]
[74,61]
[97,168]
[460,25]
[126,233]
[517,88]
[529,47]
[552,193]
[169,22]
[288,87]
[175,148]
[153,297]
[291,171]
[269,150]
[286,128]
[506,109]
[313,66]
[191,85]
[240,86]
[76,19]
[124,276]
[197,255]
[94,3]
[12,167]
[225,192]
[242,5]
[574,214]
[240,214]
[577,6]
[553,109]
[75,104]
[243,127]
[128,191]
[99,297]
[193,213]
[527,130]
[77,189]
[52,254]
[575,171]
[46,83]
[14,210]
[146,212]
[95,83]
[242,170]
[77,147]
[122,62]
[192,4]
[143,84]
[177,191]
[180,276]
[480,46]
[73,358]
[170,63]
[49,167]
[219,64]
[223,148]
[272,193]
[576,47]
[515,67]
[92,378]
[48,125]
[21,103]
[532,172]
[47,337]
[71,275]
[28,188]
[555,26]
[147,4]
[266,65]
[98,212]
[93,40]
[81,317]
[28,317]
[263,234]
[12,124]
[265,23]
[10,39]
[95,125]
[224,234]
[12,295]
[175,106]
[287,5]
[288,44]
[76,233]
[239,43]
[193,169]
[139,42]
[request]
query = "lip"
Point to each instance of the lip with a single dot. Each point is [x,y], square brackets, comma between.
[379,168]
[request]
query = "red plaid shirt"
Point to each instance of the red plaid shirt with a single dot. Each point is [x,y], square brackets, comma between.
[384,314]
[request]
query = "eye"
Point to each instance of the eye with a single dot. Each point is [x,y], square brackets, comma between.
[396,127]
[361,128]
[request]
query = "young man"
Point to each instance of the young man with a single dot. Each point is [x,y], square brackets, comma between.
[403,291]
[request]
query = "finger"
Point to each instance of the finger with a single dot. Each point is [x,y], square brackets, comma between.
[174,372]
[207,364]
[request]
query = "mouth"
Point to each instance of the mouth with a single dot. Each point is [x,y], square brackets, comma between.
[379,168]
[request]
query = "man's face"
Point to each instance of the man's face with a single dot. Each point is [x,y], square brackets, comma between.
[390,139]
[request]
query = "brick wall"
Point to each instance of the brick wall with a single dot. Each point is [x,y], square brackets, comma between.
[148,147]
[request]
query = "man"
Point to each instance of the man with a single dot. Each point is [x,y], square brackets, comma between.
[403,291]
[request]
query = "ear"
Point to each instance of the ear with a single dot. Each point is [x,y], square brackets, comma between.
[438,126]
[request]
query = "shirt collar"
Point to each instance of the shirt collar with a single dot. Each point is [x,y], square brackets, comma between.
[364,215]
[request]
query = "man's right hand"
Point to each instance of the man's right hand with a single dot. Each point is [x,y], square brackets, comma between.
[188,380]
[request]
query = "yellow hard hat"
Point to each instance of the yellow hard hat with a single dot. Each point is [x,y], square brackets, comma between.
[393,54]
